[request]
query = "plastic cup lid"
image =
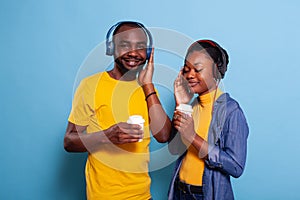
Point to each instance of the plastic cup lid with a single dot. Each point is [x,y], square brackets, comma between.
[136,119]
[185,107]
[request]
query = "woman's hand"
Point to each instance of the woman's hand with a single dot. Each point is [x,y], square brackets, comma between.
[182,91]
[185,125]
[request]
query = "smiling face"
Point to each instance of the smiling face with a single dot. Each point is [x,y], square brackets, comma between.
[198,71]
[130,44]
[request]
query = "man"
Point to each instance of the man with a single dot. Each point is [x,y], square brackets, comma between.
[117,164]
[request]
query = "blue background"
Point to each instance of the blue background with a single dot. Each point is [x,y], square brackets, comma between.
[43,44]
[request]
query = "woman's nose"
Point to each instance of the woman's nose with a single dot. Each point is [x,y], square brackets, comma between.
[190,74]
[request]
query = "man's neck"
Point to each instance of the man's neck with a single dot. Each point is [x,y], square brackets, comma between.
[118,75]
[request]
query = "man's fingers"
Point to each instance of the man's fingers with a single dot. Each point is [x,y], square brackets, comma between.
[150,65]
[126,138]
[151,56]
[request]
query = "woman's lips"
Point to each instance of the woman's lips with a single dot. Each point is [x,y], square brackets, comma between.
[193,84]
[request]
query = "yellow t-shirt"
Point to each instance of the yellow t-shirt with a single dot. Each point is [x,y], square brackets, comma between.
[114,171]
[192,167]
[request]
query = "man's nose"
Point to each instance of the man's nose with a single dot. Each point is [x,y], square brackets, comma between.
[132,51]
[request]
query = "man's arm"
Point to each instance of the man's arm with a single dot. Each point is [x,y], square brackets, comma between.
[76,140]
[160,123]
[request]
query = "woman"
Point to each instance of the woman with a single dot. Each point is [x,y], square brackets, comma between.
[212,143]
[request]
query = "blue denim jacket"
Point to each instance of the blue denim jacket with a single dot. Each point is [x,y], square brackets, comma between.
[227,140]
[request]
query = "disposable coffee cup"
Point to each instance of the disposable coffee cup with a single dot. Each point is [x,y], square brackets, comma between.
[185,108]
[137,119]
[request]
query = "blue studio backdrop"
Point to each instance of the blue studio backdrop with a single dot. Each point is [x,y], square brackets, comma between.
[48,46]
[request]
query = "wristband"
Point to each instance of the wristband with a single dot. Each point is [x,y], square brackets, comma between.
[149,95]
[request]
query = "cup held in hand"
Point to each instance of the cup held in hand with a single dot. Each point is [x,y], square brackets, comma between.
[185,108]
[137,119]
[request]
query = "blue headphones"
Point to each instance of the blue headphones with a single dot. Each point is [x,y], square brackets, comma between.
[110,44]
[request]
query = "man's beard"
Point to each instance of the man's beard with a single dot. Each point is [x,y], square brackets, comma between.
[128,72]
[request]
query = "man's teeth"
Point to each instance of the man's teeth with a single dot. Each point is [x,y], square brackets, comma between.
[132,62]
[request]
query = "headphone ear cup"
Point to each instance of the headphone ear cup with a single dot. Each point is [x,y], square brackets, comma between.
[219,63]
[110,48]
[222,62]
[149,49]
[222,65]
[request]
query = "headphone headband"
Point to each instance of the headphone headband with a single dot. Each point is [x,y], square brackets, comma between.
[110,44]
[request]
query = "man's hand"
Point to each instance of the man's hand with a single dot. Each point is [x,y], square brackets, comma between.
[145,75]
[122,133]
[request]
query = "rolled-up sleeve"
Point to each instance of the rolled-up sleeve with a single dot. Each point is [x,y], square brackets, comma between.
[229,153]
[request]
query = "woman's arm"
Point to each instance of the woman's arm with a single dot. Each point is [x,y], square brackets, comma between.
[230,155]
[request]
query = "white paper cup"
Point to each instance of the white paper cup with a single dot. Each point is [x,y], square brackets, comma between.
[185,108]
[137,119]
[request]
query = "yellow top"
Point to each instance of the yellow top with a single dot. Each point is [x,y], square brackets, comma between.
[192,168]
[114,171]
